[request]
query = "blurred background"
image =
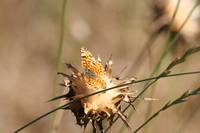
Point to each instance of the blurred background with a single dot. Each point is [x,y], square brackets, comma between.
[133,31]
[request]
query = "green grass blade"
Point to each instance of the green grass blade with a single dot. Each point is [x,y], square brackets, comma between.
[169,104]
[60,107]
[59,64]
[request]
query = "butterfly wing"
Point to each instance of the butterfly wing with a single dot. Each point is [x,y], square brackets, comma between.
[94,70]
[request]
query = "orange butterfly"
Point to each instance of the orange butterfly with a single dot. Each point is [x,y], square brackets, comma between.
[94,71]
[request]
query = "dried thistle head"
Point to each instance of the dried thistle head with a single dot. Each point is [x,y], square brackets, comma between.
[96,77]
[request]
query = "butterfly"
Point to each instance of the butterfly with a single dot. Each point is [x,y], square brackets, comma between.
[93,71]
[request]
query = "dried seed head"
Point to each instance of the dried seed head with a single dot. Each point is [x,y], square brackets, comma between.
[95,78]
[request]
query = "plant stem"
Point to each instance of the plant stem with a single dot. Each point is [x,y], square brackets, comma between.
[59,65]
